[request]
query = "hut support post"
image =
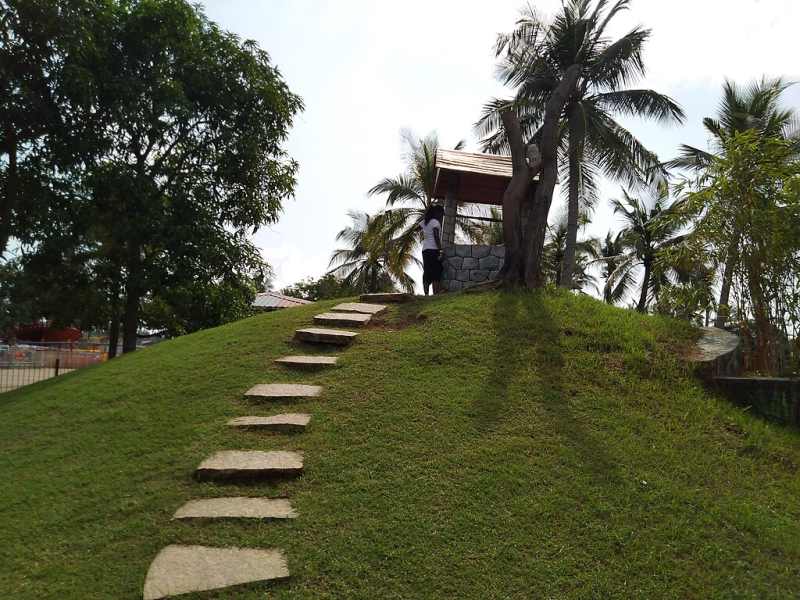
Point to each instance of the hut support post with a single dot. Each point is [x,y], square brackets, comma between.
[450,214]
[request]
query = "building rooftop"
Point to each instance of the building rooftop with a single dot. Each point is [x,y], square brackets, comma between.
[274,301]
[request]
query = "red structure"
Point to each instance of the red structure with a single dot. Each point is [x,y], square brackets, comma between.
[42,332]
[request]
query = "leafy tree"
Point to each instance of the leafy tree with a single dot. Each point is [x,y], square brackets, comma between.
[651,226]
[327,287]
[377,255]
[157,149]
[751,198]
[755,108]
[46,119]
[536,56]
[193,120]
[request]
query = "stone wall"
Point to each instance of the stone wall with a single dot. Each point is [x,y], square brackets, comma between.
[466,265]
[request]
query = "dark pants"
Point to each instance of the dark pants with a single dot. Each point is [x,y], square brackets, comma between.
[431,267]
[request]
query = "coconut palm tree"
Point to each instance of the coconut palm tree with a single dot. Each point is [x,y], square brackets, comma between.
[535,56]
[410,194]
[490,232]
[555,250]
[651,225]
[376,259]
[611,249]
[756,107]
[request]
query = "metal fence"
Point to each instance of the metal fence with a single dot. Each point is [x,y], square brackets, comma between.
[25,363]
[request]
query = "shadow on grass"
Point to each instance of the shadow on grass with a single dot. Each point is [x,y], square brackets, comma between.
[525,328]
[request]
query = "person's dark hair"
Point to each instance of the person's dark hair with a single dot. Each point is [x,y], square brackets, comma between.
[434,212]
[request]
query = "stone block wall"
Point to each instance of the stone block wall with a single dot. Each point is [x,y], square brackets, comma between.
[466,265]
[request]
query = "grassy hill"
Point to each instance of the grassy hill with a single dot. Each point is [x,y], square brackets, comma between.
[469,446]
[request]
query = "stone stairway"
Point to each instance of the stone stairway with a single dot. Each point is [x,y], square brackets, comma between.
[180,569]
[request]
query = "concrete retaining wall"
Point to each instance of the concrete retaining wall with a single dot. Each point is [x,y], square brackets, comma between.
[774,398]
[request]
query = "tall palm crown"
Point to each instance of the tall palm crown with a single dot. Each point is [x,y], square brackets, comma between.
[611,250]
[534,58]
[651,224]
[410,194]
[375,259]
[553,257]
[755,107]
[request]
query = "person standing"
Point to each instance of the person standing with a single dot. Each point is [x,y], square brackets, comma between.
[432,248]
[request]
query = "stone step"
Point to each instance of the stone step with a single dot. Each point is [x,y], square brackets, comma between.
[360,307]
[387,297]
[342,319]
[314,335]
[181,569]
[307,363]
[283,391]
[236,508]
[285,423]
[249,464]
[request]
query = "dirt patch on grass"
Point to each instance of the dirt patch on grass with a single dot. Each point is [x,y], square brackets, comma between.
[404,320]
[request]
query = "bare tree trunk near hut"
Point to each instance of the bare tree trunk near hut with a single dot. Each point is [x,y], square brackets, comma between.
[534,237]
[515,194]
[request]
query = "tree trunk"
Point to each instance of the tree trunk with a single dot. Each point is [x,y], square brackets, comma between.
[133,294]
[764,359]
[515,194]
[113,337]
[534,237]
[113,328]
[9,197]
[723,308]
[573,206]
[642,305]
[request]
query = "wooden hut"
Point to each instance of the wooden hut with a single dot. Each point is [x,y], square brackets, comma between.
[469,178]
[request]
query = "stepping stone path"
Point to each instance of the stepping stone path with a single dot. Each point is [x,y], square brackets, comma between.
[343,319]
[359,307]
[307,363]
[183,569]
[325,336]
[236,508]
[389,297]
[283,391]
[286,423]
[249,465]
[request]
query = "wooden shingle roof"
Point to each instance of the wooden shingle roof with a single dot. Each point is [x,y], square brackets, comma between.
[478,178]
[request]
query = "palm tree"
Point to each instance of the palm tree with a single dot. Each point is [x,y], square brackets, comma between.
[611,249]
[555,251]
[535,57]
[756,107]
[490,232]
[375,259]
[651,226]
[410,194]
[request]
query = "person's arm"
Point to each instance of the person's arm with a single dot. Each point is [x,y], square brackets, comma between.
[438,238]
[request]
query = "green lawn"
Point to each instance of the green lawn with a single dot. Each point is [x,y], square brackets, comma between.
[470,446]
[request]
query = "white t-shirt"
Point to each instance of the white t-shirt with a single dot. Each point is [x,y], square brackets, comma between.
[428,239]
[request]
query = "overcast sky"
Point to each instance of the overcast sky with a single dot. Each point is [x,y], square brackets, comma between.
[367,69]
